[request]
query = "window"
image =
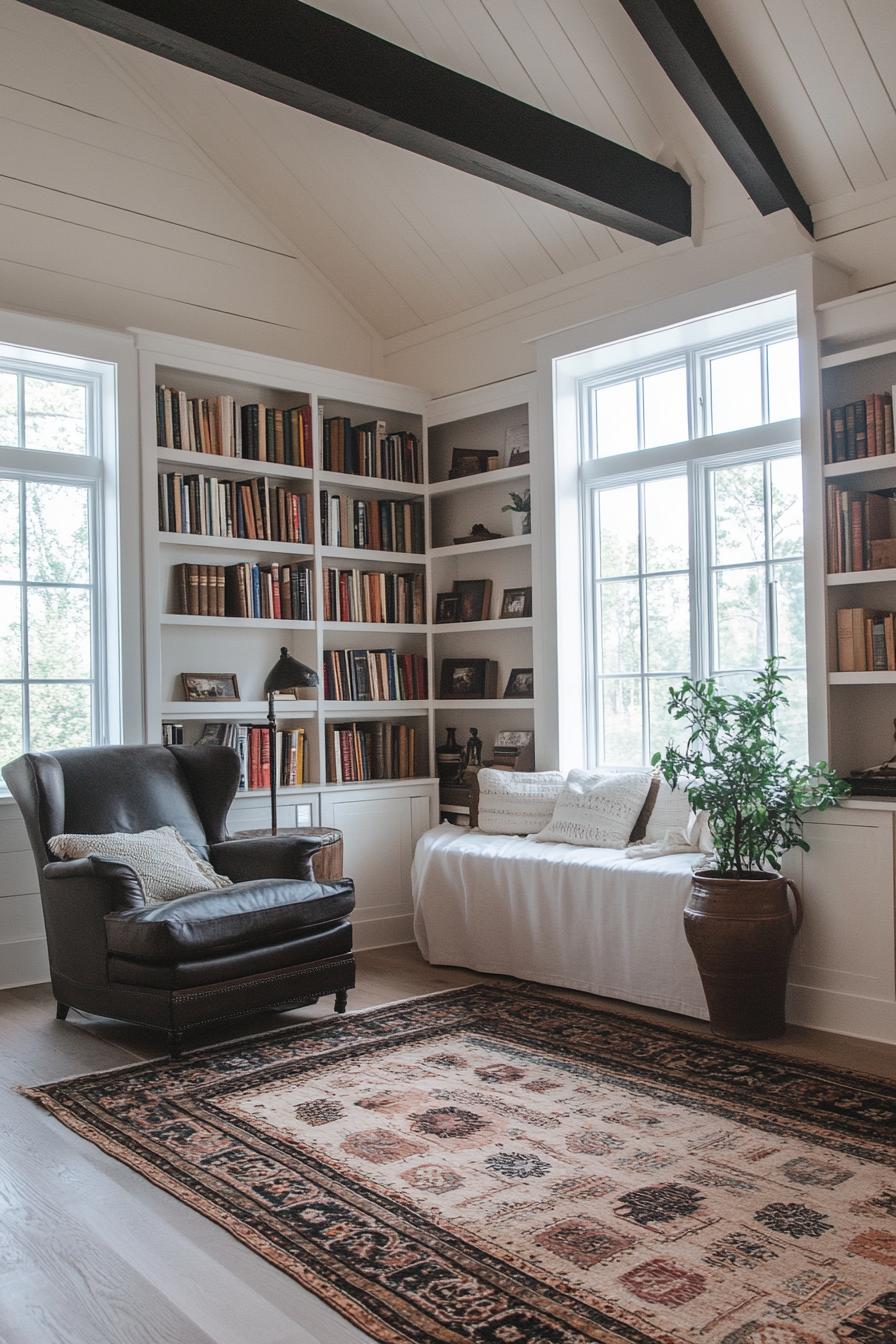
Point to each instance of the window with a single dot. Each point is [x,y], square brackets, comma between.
[695,564]
[52,615]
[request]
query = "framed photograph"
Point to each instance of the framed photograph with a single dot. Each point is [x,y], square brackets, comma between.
[516,443]
[519,684]
[475,599]
[514,739]
[210,685]
[213,734]
[464,679]
[516,602]
[447,608]
[472,461]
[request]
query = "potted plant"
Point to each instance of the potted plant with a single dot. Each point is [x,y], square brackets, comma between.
[738,921]
[520,511]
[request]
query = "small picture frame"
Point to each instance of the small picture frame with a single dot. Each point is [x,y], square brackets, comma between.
[447,608]
[216,686]
[516,602]
[475,598]
[516,443]
[463,678]
[520,685]
[213,734]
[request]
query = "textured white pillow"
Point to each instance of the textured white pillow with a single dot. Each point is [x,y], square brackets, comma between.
[166,865]
[516,802]
[671,812]
[597,809]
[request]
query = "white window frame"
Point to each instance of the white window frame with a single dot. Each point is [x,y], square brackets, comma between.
[98,471]
[697,455]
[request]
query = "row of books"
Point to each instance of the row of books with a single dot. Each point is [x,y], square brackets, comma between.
[253,509]
[219,425]
[373,595]
[859,429]
[362,751]
[374,674]
[367,450]
[265,592]
[861,529]
[372,524]
[866,640]
[251,743]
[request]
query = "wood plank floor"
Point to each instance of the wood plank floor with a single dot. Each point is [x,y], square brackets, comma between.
[90,1253]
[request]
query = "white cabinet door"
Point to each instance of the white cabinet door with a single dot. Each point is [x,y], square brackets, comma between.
[847,942]
[380,829]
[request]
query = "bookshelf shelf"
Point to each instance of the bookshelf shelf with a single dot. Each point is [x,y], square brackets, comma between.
[331,787]
[861,576]
[480,547]
[877,350]
[861,678]
[392,557]
[373,709]
[379,487]
[235,622]
[211,464]
[372,627]
[503,476]
[482,627]
[512,704]
[214,711]
[290,548]
[862,466]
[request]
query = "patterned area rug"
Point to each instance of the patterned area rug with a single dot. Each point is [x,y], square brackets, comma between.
[503,1167]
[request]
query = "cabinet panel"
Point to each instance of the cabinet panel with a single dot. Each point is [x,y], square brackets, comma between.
[847,941]
[249,816]
[380,831]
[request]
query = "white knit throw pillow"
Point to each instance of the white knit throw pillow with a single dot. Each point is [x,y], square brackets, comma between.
[515,802]
[597,809]
[165,863]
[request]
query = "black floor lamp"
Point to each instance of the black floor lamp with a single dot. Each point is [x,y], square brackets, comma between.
[287,674]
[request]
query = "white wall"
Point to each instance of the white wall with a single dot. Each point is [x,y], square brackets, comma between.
[109,214]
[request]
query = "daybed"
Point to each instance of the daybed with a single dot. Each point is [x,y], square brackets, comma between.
[582,918]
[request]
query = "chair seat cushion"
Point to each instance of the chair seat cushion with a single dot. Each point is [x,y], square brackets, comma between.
[248,914]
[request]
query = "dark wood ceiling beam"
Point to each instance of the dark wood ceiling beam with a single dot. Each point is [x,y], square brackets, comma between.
[295,54]
[683,43]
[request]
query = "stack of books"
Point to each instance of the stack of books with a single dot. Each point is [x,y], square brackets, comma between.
[253,509]
[373,596]
[269,592]
[374,674]
[860,530]
[866,641]
[361,751]
[218,425]
[367,450]
[372,524]
[859,429]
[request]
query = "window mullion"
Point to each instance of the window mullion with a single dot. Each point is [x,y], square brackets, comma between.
[23,607]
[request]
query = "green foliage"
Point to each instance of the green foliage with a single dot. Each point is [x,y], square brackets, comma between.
[520,503]
[735,771]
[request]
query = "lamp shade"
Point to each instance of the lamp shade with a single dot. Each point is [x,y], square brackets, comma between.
[288,673]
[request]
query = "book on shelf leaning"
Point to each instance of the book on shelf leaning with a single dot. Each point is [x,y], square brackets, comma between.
[374,674]
[357,752]
[220,427]
[253,509]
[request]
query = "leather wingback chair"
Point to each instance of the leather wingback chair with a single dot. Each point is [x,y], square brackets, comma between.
[277,938]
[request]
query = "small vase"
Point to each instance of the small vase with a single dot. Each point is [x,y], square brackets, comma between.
[519,523]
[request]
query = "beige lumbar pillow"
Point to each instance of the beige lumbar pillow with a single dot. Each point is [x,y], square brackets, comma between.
[165,863]
[516,802]
[597,809]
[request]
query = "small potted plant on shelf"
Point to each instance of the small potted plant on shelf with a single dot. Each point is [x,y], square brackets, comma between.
[738,921]
[520,511]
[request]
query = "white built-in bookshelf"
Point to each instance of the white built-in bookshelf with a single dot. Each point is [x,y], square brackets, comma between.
[178,642]
[858,359]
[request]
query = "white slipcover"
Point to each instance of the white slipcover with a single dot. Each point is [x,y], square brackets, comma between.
[582,918]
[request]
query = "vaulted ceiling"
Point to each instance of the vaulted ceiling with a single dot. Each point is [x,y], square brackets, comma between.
[408,242]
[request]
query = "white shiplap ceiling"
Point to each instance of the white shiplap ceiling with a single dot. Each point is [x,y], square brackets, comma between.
[408,242]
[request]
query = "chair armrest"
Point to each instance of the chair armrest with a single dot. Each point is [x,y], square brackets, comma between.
[104,884]
[78,894]
[265,856]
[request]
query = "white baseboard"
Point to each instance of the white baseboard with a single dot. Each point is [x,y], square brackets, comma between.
[24,963]
[386,931]
[843,1014]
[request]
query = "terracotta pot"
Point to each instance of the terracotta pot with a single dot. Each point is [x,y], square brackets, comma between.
[741,930]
